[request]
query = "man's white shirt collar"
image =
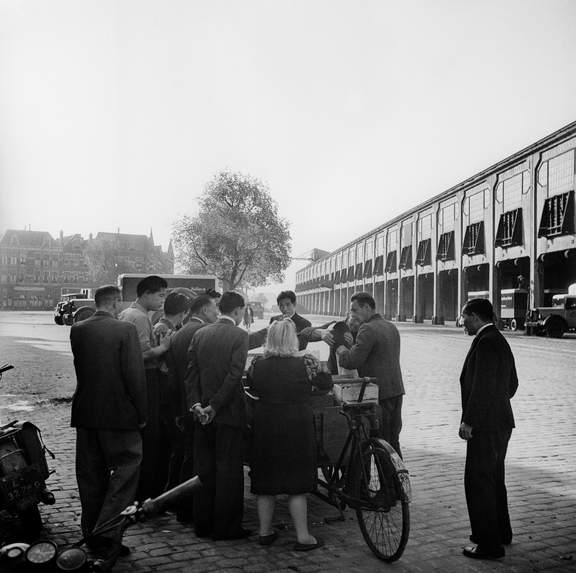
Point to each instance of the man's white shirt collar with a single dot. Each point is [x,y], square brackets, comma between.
[224,317]
[483,327]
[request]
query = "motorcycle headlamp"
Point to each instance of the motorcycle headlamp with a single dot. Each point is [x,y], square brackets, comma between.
[41,553]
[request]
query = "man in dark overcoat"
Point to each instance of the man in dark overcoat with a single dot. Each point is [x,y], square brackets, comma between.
[376,353]
[488,381]
[108,412]
[215,394]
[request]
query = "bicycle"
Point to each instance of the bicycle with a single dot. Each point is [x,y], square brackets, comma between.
[370,478]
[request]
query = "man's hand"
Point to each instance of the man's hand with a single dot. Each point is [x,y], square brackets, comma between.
[165,343]
[341,349]
[209,414]
[465,431]
[198,411]
[349,338]
[327,337]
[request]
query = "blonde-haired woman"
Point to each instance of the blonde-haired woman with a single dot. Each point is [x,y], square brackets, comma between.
[284,449]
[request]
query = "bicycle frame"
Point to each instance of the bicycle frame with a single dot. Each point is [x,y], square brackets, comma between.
[335,484]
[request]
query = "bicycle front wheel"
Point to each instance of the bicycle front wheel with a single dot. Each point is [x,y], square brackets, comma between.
[383,512]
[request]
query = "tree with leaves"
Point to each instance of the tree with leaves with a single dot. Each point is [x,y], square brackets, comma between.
[237,234]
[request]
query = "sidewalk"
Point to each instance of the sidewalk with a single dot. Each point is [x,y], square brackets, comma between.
[543,522]
[540,472]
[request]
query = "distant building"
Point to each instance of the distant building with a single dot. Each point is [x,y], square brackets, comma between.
[35,268]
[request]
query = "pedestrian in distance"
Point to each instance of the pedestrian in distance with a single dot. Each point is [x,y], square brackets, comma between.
[108,412]
[488,381]
[376,353]
[216,395]
[150,292]
[248,317]
[283,459]
[287,304]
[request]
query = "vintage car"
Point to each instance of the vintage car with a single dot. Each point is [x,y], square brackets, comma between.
[555,320]
[74,307]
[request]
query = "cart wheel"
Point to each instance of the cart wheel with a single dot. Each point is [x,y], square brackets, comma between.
[513,324]
[383,517]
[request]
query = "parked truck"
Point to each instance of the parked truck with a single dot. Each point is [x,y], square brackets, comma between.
[555,320]
[75,307]
[513,307]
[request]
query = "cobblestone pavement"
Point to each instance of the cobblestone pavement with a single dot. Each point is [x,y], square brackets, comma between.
[540,468]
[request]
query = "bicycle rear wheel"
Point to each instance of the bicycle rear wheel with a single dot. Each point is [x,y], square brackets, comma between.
[382,511]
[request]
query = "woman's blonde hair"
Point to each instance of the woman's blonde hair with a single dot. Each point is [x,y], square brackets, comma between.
[281,339]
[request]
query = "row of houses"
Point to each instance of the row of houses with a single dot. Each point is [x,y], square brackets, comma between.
[509,226]
[35,268]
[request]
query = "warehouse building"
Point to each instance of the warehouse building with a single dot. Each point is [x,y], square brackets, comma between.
[505,233]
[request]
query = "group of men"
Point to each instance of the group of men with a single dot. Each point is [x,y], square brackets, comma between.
[156,405]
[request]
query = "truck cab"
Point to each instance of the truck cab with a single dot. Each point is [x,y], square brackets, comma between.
[74,307]
[554,320]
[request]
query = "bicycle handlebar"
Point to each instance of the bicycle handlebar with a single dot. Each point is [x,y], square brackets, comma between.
[162,502]
[5,368]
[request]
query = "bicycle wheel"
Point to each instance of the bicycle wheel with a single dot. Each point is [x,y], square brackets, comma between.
[382,510]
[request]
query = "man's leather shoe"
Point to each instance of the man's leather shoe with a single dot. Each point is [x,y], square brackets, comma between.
[507,541]
[476,552]
[241,534]
[185,517]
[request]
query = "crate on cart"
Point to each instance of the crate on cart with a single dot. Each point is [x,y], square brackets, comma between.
[330,425]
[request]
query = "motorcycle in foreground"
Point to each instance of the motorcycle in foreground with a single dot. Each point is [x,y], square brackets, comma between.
[45,555]
[23,472]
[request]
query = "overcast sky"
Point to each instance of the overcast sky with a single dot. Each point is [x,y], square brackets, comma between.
[115,114]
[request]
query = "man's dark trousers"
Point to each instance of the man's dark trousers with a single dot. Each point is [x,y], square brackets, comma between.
[391,421]
[107,471]
[219,505]
[152,481]
[485,488]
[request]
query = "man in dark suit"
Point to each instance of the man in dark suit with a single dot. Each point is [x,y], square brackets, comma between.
[202,312]
[108,412]
[215,394]
[376,353]
[287,304]
[488,381]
